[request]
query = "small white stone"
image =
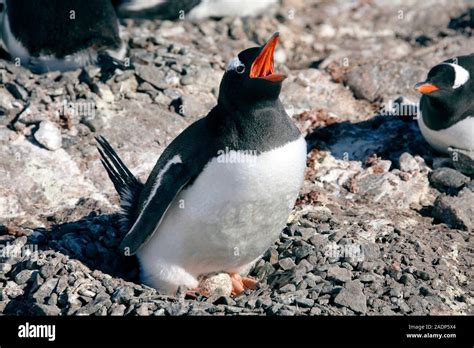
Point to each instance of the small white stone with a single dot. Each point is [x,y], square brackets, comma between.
[408,163]
[327,31]
[49,135]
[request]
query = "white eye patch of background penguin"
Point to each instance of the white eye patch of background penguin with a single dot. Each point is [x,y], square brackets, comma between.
[200,212]
[59,34]
[194,9]
[446,109]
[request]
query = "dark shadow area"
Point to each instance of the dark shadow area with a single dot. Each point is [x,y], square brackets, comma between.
[92,240]
[386,136]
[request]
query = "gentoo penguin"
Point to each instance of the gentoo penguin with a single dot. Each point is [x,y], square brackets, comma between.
[221,192]
[191,9]
[446,109]
[59,34]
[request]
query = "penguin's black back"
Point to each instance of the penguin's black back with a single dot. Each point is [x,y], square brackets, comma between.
[46,27]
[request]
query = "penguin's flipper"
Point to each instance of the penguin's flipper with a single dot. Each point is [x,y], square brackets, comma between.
[172,176]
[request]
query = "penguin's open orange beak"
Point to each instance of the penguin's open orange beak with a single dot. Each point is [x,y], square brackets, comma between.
[426,88]
[262,67]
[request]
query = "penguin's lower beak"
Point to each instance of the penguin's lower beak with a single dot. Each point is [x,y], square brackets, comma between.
[425,87]
[262,66]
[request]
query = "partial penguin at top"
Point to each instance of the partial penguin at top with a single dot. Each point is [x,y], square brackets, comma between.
[191,9]
[49,35]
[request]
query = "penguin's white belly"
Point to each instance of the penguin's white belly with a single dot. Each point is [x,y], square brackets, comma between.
[222,8]
[459,135]
[230,215]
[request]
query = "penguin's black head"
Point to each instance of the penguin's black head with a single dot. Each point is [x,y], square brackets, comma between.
[250,77]
[444,80]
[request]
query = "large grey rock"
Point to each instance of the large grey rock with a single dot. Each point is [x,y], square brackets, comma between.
[373,80]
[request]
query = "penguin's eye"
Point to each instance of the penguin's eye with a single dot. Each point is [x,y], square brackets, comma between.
[240,68]
[236,65]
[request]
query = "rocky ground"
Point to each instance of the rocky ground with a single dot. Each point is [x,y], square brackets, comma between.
[383,225]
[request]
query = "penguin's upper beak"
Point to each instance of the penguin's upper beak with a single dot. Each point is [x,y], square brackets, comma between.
[262,66]
[425,87]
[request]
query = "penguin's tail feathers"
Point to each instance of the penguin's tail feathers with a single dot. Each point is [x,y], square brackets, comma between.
[125,183]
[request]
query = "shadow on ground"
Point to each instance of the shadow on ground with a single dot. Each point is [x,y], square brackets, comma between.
[92,240]
[386,136]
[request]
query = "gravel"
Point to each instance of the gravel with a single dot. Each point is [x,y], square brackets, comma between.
[383,225]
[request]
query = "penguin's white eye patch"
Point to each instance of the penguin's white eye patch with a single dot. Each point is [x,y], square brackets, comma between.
[236,65]
[461,75]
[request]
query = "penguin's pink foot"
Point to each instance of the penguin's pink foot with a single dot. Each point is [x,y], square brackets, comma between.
[240,284]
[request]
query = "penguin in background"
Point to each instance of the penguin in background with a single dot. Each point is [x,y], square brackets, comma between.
[221,192]
[446,108]
[49,35]
[193,9]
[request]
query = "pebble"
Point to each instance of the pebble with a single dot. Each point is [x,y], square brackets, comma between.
[288,288]
[367,278]
[17,91]
[287,263]
[49,135]
[408,163]
[117,309]
[448,179]
[24,276]
[462,160]
[123,294]
[456,212]
[12,290]
[152,75]
[271,256]
[407,279]
[303,251]
[5,267]
[44,309]
[95,305]
[352,296]
[305,233]
[304,302]
[45,290]
[338,274]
